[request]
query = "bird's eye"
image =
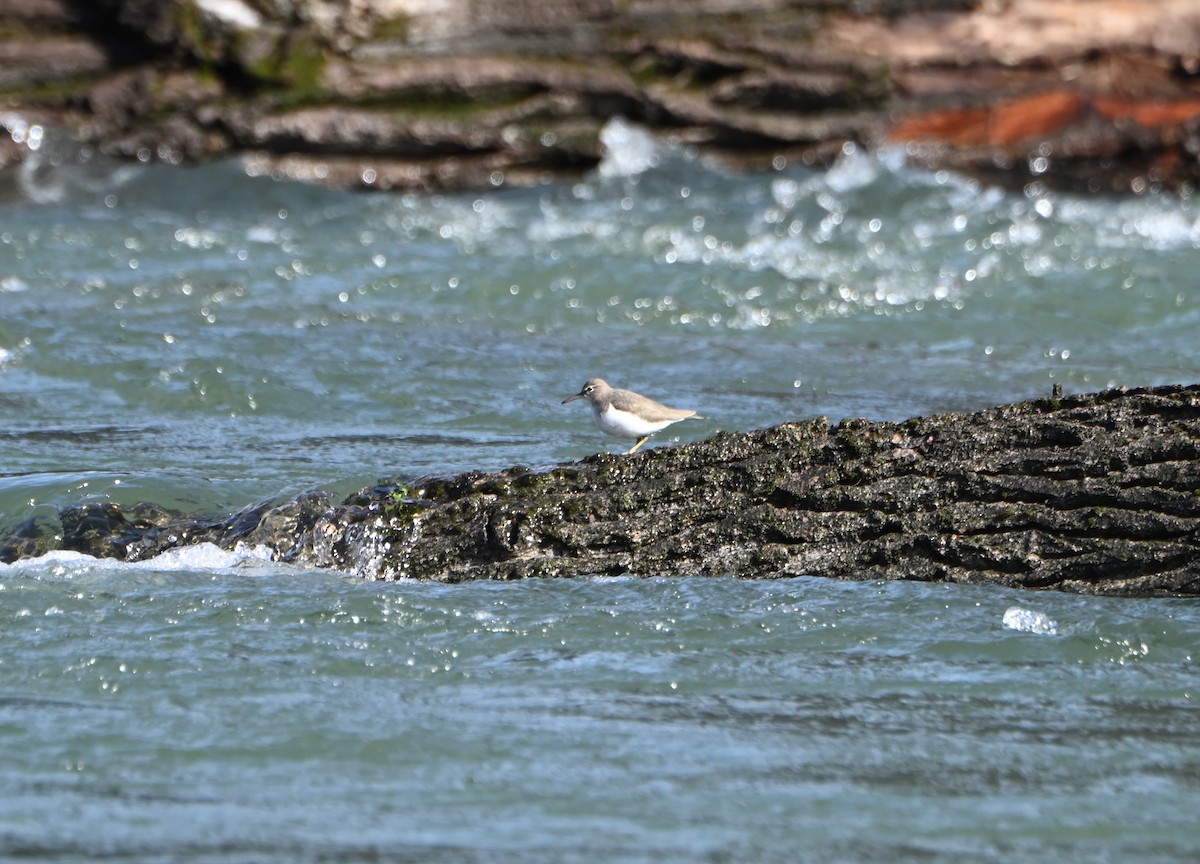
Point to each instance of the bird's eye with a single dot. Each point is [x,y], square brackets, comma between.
[588,389]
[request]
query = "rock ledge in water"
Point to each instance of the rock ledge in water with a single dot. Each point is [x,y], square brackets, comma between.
[1096,493]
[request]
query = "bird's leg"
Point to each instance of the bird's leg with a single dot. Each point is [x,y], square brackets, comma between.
[639,443]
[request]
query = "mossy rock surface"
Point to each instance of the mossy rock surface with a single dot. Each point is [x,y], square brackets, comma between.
[1091,493]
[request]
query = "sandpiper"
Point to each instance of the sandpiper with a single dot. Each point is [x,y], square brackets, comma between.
[627,414]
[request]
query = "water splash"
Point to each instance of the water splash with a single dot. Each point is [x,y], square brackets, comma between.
[55,167]
[628,150]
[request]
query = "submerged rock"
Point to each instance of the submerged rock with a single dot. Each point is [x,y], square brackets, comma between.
[1096,493]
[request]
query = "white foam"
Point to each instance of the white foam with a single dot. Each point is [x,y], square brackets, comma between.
[67,556]
[262,234]
[205,556]
[1029,621]
[63,563]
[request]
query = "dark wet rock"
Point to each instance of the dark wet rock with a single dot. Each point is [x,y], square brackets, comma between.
[1095,493]
[378,94]
[32,538]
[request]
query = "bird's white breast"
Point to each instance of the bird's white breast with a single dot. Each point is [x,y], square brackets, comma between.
[625,424]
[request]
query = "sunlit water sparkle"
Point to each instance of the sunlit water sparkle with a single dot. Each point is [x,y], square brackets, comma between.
[204,340]
[224,708]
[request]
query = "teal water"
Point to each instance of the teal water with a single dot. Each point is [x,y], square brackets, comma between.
[206,708]
[204,339]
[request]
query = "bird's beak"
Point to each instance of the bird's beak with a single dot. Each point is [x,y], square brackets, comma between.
[578,395]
